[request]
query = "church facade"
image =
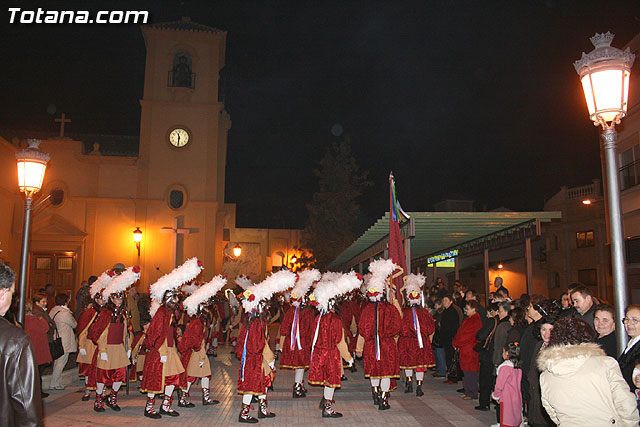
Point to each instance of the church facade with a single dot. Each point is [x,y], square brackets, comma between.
[173,191]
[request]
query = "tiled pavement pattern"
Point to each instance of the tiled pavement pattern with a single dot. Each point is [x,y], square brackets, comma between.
[440,406]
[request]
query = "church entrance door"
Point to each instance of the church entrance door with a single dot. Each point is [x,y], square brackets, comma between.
[57,268]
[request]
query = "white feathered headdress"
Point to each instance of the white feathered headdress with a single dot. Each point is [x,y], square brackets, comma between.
[101,283]
[202,294]
[123,281]
[277,282]
[306,278]
[190,288]
[180,275]
[413,288]
[333,287]
[380,269]
[243,281]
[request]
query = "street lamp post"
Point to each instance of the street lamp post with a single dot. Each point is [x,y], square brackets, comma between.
[137,238]
[604,73]
[32,164]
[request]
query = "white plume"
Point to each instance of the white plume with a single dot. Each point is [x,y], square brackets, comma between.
[244,281]
[102,282]
[123,281]
[190,288]
[202,294]
[380,269]
[306,278]
[277,282]
[180,275]
[334,287]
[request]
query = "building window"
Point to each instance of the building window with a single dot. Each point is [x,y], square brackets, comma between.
[633,250]
[584,239]
[43,263]
[65,263]
[181,74]
[56,196]
[629,161]
[176,199]
[588,277]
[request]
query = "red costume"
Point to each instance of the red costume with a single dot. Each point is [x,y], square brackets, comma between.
[409,351]
[160,342]
[253,350]
[296,341]
[330,347]
[465,340]
[192,346]
[137,357]
[107,333]
[380,350]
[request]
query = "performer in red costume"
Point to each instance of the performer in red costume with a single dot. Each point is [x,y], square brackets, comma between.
[378,328]
[257,361]
[296,331]
[414,344]
[109,334]
[138,352]
[329,346]
[86,348]
[192,345]
[163,370]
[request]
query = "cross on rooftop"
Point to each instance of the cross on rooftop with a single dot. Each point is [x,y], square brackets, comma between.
[62,120]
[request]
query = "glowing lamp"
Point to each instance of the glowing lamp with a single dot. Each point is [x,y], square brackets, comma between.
[586,202]
[237,251]
[294,259]
[137,238]
[604,73]
[32,164]
[500,266]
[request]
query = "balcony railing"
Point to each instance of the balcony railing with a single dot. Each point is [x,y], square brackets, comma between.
[581,192]
[179,79]
[630,175]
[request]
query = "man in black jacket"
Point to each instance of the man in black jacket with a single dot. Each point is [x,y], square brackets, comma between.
[20,401]
[449,324]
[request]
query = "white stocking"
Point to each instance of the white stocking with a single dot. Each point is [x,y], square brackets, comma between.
[328,392]
[204,382]
[151,395]
[246,399]
[100,388]
[385,384]
[408,373]
[188,387]
[299,376]
[419,376]
[116,386]
[375,382]
[86,381]
[263,396]
[168,390]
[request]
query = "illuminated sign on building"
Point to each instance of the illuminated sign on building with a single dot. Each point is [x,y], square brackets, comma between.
[447,257]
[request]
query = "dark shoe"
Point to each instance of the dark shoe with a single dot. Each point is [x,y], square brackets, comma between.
[419,391]
[263,410]
[437,376]
[43,394]
[166,403]
[149,412]
[206,398]
[328,411]
[297,391]
[112,401]
[344,378]
[353,369]
[86,397]
[375,394]
[183,402]
[384,401]
[244,416]
[460,390]
[408,386]
[481,408]
[98,406]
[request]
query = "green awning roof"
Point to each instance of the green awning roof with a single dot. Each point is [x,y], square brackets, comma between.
[437,231]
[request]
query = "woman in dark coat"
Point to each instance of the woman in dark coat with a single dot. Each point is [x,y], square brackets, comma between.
[631,353]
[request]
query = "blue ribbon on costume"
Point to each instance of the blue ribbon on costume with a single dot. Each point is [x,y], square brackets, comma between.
[315,336]
[416,326]
[244,356]
[295,331]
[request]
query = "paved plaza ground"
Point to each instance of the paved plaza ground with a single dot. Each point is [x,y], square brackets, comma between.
[440,405]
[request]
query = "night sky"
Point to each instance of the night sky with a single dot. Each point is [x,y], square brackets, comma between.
[461,99]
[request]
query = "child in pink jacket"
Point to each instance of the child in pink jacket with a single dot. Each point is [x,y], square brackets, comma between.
[507,389]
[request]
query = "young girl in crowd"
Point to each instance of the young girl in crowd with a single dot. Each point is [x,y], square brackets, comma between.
[507,389]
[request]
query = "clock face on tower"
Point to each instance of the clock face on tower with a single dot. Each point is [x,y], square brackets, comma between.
[179,137]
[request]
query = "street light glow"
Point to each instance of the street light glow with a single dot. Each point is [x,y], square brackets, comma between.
[237,251]
[586,202]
